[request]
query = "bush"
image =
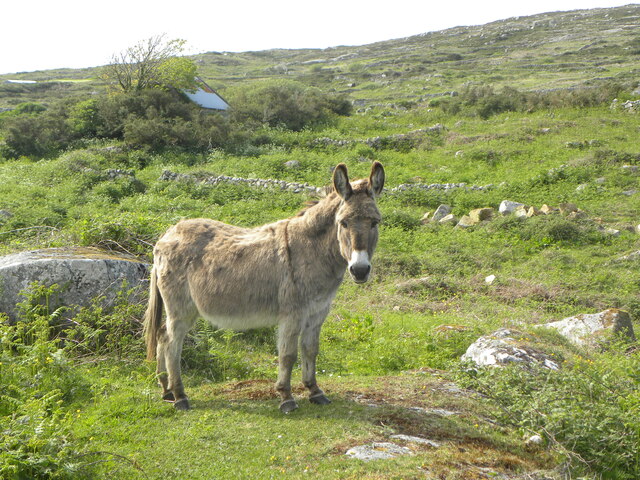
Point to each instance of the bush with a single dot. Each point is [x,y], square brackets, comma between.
[484,101]
[38,134]
[288,104]
[37,380]
[587,411]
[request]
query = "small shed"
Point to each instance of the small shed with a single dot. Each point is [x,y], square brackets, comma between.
[206,97]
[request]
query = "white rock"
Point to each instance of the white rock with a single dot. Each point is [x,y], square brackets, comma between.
[501,348]
[534,440]
[507,206]
[377,451]
[490,279]
[586,329]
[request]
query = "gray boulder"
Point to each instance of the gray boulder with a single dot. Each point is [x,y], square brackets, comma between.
[594,329]
[441,212]
[82,274]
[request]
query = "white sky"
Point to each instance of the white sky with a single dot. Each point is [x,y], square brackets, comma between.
[46,34]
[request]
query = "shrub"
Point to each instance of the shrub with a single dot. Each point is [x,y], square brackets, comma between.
[485,101]
[40,134]
[288,104]
[38,380]
[587,411]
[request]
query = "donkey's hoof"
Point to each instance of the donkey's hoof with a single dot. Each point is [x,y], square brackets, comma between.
[288,406]
[320,399]
[182,404]
[168,397]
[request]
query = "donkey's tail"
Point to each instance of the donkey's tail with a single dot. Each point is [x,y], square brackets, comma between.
[153,317]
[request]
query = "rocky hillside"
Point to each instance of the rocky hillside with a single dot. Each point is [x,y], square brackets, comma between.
[546,51]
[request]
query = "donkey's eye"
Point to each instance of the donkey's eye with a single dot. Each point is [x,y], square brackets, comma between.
[343,224]
[374,224]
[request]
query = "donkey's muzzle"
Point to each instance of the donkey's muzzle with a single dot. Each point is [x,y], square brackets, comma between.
[360,273]
[359,266]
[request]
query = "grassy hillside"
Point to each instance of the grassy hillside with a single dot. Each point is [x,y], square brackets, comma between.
[531,122]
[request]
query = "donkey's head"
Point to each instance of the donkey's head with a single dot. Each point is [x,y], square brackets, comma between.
[357,218]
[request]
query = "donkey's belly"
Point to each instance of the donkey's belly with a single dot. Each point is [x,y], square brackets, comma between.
[241,322]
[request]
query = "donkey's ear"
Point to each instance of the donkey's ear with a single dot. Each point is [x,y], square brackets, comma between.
[376,179]
[341,181]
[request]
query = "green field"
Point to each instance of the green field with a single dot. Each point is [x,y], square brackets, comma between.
[530,122]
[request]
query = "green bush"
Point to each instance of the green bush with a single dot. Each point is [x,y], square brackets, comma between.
[484,101]
[39,135]
[288,104]
[589,411]
[38,382]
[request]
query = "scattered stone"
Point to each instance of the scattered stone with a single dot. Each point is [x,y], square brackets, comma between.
[83,274]
[507,207]
[592,329]
[612,231]
[377,451]
[632,169]
[632,256]
[5,214]
[466,221]
[546,209]
[449,219]
[459,154]
[478,215]
[577,215]
[292,164]
[533,212]
[629,193]
[501,348]
[417,440]
[631,106]
[441,212]
[567,208]
[600,180]
[426,218]
[581,187]
[490,279]
[534,440]
[115,173]
[521,211]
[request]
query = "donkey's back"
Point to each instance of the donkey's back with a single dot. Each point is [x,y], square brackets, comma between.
[229,275]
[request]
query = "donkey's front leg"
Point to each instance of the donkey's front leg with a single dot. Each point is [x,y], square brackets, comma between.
[287,355]
[310,346]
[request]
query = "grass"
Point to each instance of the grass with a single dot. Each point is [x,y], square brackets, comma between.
[237,431]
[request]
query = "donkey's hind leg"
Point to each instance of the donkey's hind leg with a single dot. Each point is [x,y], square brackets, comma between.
[309,343]
[288,333]
[177,328]
[161,368]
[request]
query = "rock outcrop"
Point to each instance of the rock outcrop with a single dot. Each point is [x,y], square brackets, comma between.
[82,275]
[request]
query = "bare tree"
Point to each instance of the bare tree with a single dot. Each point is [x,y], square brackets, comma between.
[146,65]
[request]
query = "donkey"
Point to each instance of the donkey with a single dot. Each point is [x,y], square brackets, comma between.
[285,273]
